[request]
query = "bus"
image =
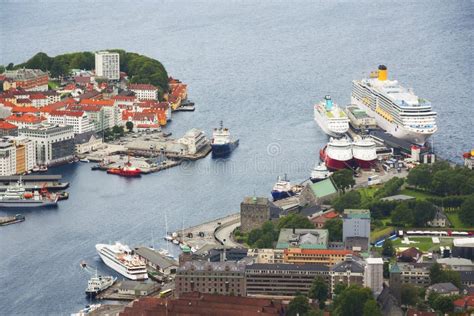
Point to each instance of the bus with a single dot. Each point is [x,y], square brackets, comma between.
[166,293]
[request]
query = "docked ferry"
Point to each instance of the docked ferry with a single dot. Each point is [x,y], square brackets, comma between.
[332,119]
[122,259]
[222,143]
[99,283]
[337,154]
[282,189]
[320,172]
[396,109]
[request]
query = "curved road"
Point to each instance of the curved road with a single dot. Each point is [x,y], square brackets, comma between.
[225,233]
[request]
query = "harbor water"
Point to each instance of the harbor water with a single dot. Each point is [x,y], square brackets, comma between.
[257,65]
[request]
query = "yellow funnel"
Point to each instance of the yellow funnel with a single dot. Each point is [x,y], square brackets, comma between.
[382,73]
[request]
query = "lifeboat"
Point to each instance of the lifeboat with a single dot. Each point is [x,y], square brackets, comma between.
[28,195]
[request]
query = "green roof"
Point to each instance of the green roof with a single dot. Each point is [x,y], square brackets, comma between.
[353,213]
[323,188]
[394,268]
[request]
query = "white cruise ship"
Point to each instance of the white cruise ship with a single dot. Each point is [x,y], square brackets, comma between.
[122,259]
[332,119]
[396,109]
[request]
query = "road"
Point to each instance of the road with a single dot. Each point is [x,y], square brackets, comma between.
[225,232]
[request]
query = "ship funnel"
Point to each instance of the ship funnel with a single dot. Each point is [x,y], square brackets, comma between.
[328,102]
[382,72]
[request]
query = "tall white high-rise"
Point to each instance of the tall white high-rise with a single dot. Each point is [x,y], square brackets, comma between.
[107,65]
[373,275]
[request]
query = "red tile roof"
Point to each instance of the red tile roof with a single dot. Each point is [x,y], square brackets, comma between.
[124,98]
[7,125]
[318,251]
[24,109]
[465,302]
[141,86]
[25,118]
[67,113]
[97,102]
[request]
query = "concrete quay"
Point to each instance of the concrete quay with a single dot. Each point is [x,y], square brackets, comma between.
[211,233]
[128,290]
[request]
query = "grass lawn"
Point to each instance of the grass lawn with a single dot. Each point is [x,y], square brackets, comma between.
[380,232]
[454,219]
[366,194]
[417,194]
[423,243]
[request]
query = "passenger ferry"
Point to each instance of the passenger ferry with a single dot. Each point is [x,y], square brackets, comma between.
[332,119]
[123,260]
[396,109]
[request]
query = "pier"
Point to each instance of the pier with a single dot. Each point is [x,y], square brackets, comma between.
[127,290]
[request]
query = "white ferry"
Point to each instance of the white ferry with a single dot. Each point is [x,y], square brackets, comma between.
[396,109]
[332,119]
[122,259]
[98,284]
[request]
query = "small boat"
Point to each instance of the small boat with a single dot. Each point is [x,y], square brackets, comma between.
[176,241]
[320,172]
[84,160]
[168,238]
[35,169]
[98,284]
[282,189]
[63,196]
[43,168]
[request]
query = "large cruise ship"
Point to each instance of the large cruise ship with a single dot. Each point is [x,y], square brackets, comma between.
[396,109]
[332,119]
[122,259]
[337,154]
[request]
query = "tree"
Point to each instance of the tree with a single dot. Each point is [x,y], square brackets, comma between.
[334,227]
[387,249]
[339,288]
[39,61]
[2,69]
[129,125]
[298,306]
[294,221]
[254,235]
[386,270]
[350,199]
[10,66]
[391,187]
[402,215]
[343,179]
[319,291]
[58,69]
[371,308]
[423,212]
[409,294]
[438,275]
[420,176]
[444,304]
[466,213]
[351,301]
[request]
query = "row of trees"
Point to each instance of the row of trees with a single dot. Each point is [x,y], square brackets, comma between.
[140,69]
[442,179]
[413,213]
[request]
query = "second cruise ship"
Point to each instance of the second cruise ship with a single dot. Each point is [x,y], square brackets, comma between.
[332,119]
[396,109]
[122,259]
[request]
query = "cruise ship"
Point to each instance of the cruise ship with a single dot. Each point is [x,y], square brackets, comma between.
[122,259]
[222,143]
[364,152]
[396,109]
[337,154]
[282,189]
[332,119]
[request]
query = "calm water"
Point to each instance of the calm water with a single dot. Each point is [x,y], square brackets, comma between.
[259,67]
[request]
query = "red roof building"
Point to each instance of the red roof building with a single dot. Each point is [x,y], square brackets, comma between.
[8,129]
[320,220]
[25,120]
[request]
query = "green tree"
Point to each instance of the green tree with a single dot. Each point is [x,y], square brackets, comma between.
[351,301]
[343,179]
[436,273]
[423,212]
[391,187]
[466,213]
[420,176]
[347,200]
[129,125]
[39,61]
[444,304]
[58,69]
[298,306]
[371,308]
[334,227]
[294,221]
[2,69]
[402,215]
[319,291]
[386,270]
[409,294]
[254,235]
[339,288]
[387,249]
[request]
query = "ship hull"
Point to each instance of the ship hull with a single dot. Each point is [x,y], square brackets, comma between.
[121,269]
[315,180]
[333,164]
[278,195]
[364,164]
[124,173]
[219,151]
[393,129]
[29,204]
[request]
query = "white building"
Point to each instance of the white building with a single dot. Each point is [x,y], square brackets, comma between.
[107,65]
[87,142]
[194,139]
[7,158]
[77,119]
[144,91]
[356,223]
[373,275]
[53,143]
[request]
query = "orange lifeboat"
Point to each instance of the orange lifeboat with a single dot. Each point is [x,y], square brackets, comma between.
[28,195]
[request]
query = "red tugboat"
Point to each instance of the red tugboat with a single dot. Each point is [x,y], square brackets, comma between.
[126,171]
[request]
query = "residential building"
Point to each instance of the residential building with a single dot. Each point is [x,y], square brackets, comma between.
[442,289]
[464,304]
[54,144]
[318,193]
[254,211]
[374,275]
[303,238]
[224,278]
[389,305]
[414,273]
[440,220]
[411,254]
[7,158]
[107,65]
[144,91]
[467,279]
[283,279]
[77,119]
[8,129]
[231,254]
[356,223]
[328,257]
[157,261]
[348,272]
[456,264]
[266,255]
[204,304]
[26,120]
[25,153]
[87,142]
[319,219]
[26,79]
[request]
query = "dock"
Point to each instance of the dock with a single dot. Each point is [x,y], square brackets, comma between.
[35,182]
[127,290]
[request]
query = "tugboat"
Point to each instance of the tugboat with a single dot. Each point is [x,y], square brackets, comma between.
[222,143]
[98,284]
[320,172]
[282,189]
[126,171]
